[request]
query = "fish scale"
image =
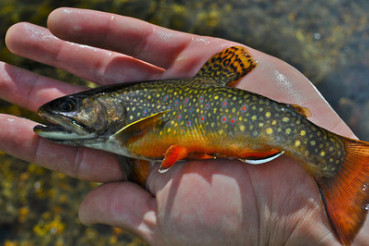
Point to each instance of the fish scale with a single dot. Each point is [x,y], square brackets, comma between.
[203,118]
[231,117]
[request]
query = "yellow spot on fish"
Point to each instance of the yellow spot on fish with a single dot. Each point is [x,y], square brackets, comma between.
[261,124]
[269,130]
[274,122]
[322,153]
[297,143]
[131,117]
[285,119]
[254,117]
[288,130]
[221,131]
[216,97]
[169,130]
[242,128]
[312,142]
[303,133]
[268,114]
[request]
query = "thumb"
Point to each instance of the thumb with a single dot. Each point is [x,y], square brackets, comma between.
[121,204]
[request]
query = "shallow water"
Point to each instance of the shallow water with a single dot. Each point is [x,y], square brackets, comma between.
[328,42]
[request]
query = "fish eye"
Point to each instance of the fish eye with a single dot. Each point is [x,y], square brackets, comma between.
[67,105]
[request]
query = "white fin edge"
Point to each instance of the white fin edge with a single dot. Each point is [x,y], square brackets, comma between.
[262,161]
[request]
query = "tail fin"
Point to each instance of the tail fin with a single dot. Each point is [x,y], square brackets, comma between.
[346,195]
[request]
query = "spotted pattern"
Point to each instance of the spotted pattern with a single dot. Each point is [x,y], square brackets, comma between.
[236,60]
[207,117]
[232,117]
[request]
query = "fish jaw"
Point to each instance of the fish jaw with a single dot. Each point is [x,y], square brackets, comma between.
[62,128]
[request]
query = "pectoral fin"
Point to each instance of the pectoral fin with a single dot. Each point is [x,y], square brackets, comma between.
[138,128]
[262,159]
[136,171]
[173,154]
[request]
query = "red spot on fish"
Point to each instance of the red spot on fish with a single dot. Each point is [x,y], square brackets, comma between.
[244,108]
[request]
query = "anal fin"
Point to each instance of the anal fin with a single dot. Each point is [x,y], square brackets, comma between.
[262,157]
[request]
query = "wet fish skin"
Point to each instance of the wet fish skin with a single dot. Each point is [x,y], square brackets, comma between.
[202,118]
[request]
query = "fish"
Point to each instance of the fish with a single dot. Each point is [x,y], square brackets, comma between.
[204,117]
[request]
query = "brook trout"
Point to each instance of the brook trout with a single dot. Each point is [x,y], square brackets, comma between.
[203,118]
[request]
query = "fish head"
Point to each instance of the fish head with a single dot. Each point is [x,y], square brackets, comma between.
[78,118]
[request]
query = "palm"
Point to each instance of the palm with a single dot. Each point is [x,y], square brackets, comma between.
[198,201]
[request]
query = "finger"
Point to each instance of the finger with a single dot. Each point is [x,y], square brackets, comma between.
[123,205]
[182,54]
[30,90]
[94,64]
[18,139]
[126,35]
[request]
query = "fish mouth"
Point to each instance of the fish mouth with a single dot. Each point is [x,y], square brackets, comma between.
[62,128]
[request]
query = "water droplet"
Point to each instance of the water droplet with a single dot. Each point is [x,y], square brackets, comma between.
[317,36]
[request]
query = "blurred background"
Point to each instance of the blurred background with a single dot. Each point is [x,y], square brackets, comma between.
[328,41]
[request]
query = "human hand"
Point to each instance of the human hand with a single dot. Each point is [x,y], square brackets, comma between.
[195,203]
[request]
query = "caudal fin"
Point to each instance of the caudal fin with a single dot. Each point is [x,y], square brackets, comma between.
[346,195]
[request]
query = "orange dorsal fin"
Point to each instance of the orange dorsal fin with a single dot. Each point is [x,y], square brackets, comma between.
[346,194]
[228,65]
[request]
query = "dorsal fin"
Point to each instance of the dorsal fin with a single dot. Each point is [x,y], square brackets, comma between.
[228,65]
